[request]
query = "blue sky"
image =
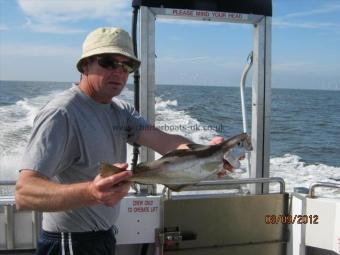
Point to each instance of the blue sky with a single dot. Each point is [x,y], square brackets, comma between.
[41,40]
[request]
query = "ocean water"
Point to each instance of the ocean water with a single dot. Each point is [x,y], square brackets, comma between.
[305,127]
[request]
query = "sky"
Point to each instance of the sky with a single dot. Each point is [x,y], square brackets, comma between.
[41,40]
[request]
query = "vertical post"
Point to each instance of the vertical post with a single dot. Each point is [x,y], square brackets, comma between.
[261,103]
[147,78]
[9,216]
[268,100]
[36,227]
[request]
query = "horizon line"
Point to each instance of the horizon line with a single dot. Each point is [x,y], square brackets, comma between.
[190,85]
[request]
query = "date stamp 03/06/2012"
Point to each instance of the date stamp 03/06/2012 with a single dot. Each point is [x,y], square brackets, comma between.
[291,219]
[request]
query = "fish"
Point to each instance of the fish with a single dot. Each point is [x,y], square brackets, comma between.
[185,167]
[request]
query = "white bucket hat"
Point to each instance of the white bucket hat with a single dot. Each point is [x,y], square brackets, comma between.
[108,40]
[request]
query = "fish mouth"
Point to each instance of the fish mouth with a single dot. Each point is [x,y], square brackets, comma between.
[226,164]
[231,161]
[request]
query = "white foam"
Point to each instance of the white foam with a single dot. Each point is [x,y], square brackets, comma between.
[16,122]
[127,95]
[9,166]
[297,173]
[30,109]
[164,105]
[174,121]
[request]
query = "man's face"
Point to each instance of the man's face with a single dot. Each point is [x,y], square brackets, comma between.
[107,76]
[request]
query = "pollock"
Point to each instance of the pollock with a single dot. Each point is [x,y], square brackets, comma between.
[183,167]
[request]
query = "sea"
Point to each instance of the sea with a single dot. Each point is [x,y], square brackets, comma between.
[305,125]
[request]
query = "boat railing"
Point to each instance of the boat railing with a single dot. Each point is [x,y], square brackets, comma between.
[7,182]
[229,182]
[246,181]
[19,230]
[313,186]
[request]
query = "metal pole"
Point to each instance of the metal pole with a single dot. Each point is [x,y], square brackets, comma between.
[243,103]
[147,78]
[9,216]
[261,103]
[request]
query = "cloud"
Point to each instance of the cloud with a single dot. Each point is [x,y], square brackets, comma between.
[66,10]
[194,60]
[3,27]
[291,20]
[58,16]
[51,28]
[305,67]
[26,50]
[281,23]
[323,10]
[294,66]
[207,62]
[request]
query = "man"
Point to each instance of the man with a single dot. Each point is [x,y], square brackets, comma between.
[81,127]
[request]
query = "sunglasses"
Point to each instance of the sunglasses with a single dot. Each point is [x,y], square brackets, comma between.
[108,62]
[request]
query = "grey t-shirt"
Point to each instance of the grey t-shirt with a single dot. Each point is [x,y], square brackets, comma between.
[71,135]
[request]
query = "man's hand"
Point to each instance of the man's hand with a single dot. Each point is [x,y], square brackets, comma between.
[226,166]
[110,190]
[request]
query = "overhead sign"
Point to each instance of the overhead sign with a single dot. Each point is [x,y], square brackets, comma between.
[206,15]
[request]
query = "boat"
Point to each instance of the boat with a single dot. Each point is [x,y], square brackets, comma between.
[216,216]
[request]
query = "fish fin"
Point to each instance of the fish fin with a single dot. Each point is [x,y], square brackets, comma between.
[175,187]
[197,147]
[106,169]
[140,165]
[175,153]
[185,152]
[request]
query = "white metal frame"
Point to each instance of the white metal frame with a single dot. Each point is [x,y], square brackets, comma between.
[261,87]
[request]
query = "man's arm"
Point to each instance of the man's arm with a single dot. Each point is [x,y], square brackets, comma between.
[160,141]
[35,192]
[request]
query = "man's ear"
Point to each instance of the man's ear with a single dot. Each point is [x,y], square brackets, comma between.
[85,67]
